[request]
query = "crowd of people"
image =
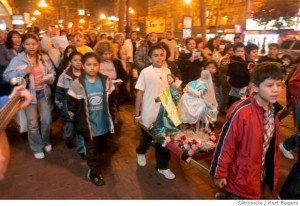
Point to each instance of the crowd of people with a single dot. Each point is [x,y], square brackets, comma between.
[89,79]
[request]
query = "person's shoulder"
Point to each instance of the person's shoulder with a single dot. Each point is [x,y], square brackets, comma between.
[240,107]
[148,69]
[88,48]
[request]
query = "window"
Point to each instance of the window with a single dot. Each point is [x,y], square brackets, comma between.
[286,44]
[297,45]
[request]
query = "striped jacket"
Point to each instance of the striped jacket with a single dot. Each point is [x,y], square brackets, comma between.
[61,93]
[238,155]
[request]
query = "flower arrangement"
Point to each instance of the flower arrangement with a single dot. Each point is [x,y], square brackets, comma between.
[190,142]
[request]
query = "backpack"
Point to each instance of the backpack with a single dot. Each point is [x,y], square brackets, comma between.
[294,84]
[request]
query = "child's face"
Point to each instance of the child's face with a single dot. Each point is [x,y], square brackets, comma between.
[78,40]
[170,79]
[91,67]
[106,56]
[200,45]
[211,68]
[253,54]
[157,58]
[16,39]
[268,91]
[230,51]
[273,52]
[153,38]
[76,62]
[191,45]
[240,52]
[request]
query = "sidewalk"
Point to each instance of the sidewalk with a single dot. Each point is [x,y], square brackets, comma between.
[62,174]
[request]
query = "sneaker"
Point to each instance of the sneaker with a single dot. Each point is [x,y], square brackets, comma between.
[48,148]
[167,173]
[39,155]
[82,155]
[285,152]
[69,145]
[141,160]
[96,179]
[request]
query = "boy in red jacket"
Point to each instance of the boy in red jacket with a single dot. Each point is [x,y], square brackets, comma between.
[246,158]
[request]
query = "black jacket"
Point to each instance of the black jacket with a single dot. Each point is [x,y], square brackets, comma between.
[238,72]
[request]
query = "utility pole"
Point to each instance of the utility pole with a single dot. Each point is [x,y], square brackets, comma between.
[203,19]
[218,16]
[128,20]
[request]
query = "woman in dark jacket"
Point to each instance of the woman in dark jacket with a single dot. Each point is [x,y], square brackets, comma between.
[190,64]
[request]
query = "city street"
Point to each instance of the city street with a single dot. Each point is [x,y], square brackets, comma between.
[62,174]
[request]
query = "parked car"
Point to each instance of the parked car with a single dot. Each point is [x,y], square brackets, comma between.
[289,51]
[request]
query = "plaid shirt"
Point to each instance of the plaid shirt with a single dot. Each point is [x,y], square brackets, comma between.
[269,127]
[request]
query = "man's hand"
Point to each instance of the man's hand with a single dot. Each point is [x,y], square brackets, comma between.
[24,93]
[220,182]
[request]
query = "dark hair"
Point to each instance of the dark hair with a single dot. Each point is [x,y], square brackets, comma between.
[238,45]
[166,48]
[250,47]
[155,47]
[172,75]
[237,37]
[210,45]
[75,53]
[199,40]
[65,59]
[265,70]
[217,76]
[89,55]
[189,39]
[9,42]
[273,45]
[132,32]
[30,36]
[227,47]
[62,31]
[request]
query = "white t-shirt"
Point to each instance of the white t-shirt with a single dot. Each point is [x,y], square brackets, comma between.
[152,81]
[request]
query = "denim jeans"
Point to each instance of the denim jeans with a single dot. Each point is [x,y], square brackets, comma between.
[290,143]
[38,135]
[70,133]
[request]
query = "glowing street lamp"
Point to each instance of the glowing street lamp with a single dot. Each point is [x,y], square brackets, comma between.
[81,21]
[102,16]
[43,4]
[131,11]
[187,1]
[37,13]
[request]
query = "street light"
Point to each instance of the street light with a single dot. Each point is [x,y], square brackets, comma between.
[102,16]
[131,11]
[43,4]
[81,21]
[187,1]
[37,13]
